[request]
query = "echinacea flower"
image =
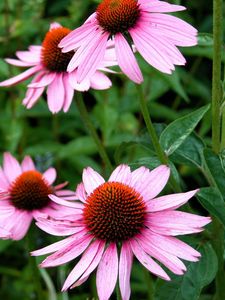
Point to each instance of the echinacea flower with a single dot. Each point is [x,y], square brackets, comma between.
[120,219]
[24,196]
[154,34]
[49,65]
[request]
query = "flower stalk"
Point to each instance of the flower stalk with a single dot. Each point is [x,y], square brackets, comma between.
[88,123]
[218,231]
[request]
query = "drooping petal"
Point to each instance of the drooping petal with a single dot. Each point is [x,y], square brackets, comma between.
[53,247]
[172,245]
[44,80]
[159,6]
[67,253]
[147,261]
[56,94]
[126,59]
[100,81]
[93,57]
[63,202]
[173,263]
[125,264]
[92,266]
[107,272]
[21,77]
[69,92]
[82,265]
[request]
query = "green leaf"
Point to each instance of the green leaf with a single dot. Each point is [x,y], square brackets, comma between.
[189,285]
[212,200]
[215,166]
[205,39]
[190,152]
[176,132]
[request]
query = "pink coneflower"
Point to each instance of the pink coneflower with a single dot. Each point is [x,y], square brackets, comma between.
[142,22]
[24,195]
[49,65]
[118,219]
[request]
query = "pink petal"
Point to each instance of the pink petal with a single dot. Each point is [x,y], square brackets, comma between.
[50,175]
[100,81]
[29,56]
[19,224]
[91,180]
[93,57]
[54,25]
[56,94]
[27,164]
[150,52]
[69,92]
[44,80]
[147,261]
[121,174]
[107,272]
[155,182]
[172,201]
[126,59]
[172,245]
[35,94]
[92,266]
[82,86]
[178,218]
[82,265]
[61,201]
[53,247]
[81,52]
[11,167]
[67,253]
[81,193]
[76,37]
[125,265]
[4,182]
[19,63]
[159,6]
[170,261]
[55,229]
[21,77]
[139,177]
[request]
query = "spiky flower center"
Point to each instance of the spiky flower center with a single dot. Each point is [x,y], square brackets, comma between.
[117,15]
[52,57]
[30,191]
[114,212]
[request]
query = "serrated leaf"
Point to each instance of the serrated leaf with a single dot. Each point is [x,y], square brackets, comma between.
[189,285]
[176,132]
[213,202]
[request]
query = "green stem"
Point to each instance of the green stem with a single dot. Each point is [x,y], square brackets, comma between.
[218,245]
[153,135]
[218,231]
[216,86]
[149,283]
[151,130]
[36,278]
[87,121]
